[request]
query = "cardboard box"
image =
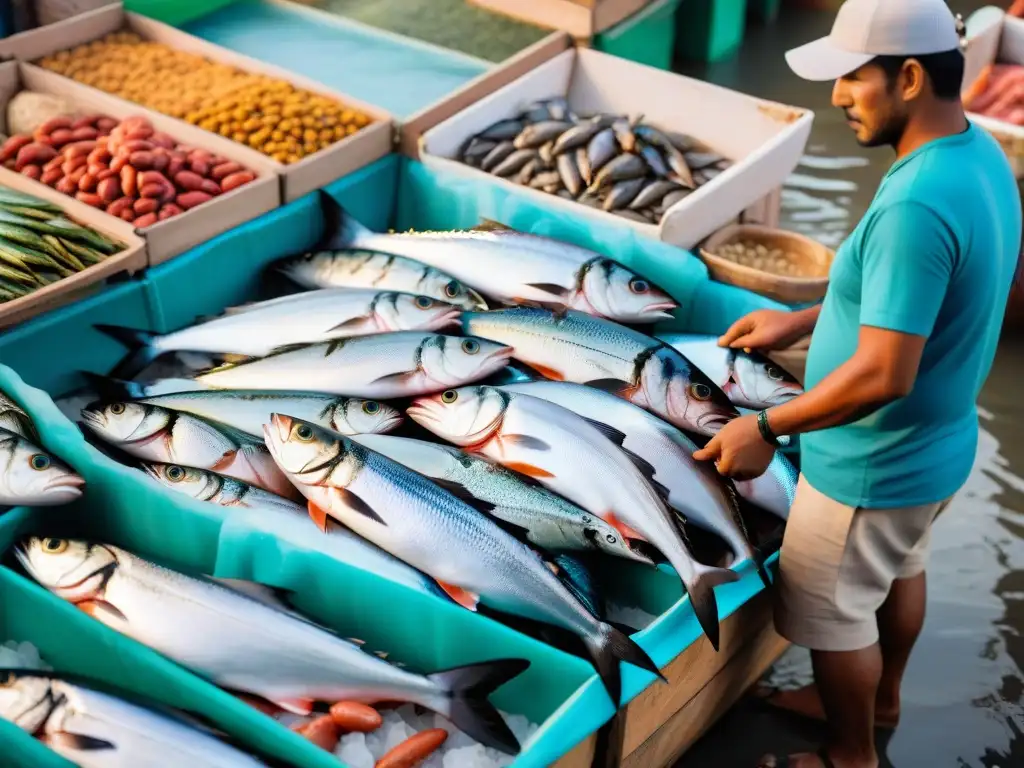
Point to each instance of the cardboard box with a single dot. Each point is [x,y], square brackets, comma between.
[765,140]
[168,238]
[311,173]
[130,260]
[580,18]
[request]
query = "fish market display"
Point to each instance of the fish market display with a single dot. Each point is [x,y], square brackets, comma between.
[612,162]
[548,520]
[95,729]
[386,365]
[40,245]
[515,268]
[256,645]
[580,460]
[749,379]
[386,272]
[429,528]
[34,477]
[259,329]
[572,346]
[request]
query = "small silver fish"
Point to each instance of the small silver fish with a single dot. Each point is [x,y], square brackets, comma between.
[622,193]
[583,163]
[570,173]
[652,193]
[498,153]
[32,476]
[655,161]
[676,160]
[477,149]
[527,171]
[602,148]
[580,135]
[535,135]
[502,130]
[514,162]
[621,168]
[545,179]
[208,486]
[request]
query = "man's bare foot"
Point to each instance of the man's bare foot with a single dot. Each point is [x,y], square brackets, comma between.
[807,703]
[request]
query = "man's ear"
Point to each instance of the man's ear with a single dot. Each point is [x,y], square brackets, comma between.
[912,79]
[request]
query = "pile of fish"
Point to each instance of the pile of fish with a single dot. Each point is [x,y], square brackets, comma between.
[542,427]
[612,162]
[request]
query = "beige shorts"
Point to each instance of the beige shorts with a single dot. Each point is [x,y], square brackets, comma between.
[837,565]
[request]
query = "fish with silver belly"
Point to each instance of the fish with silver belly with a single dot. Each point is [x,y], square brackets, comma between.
[517,268]
[290,522]
[419,522]
[14,419]
[32,476]
[249,640]
[572,346]
[386,365]
[749,379]
[548,520]
[383,271]
[152,433]
[256,330]
[95,729]
[583,461]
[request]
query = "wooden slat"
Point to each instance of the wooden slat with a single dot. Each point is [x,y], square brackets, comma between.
[580,757]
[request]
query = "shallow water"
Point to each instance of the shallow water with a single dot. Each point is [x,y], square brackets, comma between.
[963,698]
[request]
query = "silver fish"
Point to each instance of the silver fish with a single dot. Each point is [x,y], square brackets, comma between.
[533,136]
[570,173]
[676,160]
[32,476]
[547,154]
[583,462]
[572,346]
[429,528]
[496,155]
[624,135]
[655,161]
[95,729]
[546,179]
[621,168]
[171,437]
[367,269]
[674,197]
[749,379]
[527,171]
[255,644]
[208,486]
[383,366]
[502,130]
[515,162]
[583,163]
[775,490]
[548,520]
[14,419]
[652,192]
[515,267]
[622,193]
[602,148]
[580,135]
[477,149]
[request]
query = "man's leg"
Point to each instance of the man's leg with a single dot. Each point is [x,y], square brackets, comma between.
[848,684]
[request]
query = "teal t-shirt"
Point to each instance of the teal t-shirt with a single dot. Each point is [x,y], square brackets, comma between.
[934,256]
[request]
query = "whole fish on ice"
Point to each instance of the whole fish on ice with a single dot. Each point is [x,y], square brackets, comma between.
[95,729]
[515,268]
[32,476]
[250,641]
[426,526]
[578,459]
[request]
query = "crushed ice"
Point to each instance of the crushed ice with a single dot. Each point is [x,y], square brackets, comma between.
[23,655]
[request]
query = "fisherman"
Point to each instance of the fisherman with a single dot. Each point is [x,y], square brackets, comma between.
[901,346]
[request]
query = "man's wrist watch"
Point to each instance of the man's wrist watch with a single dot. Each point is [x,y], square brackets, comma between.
[766,430]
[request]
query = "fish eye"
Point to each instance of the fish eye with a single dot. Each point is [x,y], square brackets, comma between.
[453,289]
[585,518]
[774,373]
[54,546]
[175,474]
[117,409]
[609,538]
[449,396]
[700,391]
[39,461]
[303,432]
[470,346]
[371,407]
[424,302]
[639,285]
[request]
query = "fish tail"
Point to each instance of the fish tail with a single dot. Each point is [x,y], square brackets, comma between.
[702,597]
[470,709]
[113,389]
[140,349]
[341,229]
[609,648]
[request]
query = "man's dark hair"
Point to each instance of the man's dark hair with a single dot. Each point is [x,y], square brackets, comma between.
[944,69]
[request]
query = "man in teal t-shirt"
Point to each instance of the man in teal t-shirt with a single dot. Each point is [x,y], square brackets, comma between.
[900,349]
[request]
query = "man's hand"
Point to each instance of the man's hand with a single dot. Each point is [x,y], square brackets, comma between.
[769,329]
[738,450]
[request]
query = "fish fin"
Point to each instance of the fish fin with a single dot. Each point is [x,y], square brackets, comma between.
[624,530]
[623,628]
[613,386]
[397,378]
[77,741]
[755,553]
[140,349]
[224,461]
[490,225]
[319,515]
[552,288]
[356,504]
[648,471]
[295,706]
[459,491]
[101,610]
[113,389]
[351,323]
[341,229]
[281,350]
[579,587]
[609,648]
[548,373]
[471,711]
[525,441]
[610,432]
[527,469]
[461,596]
[702,598]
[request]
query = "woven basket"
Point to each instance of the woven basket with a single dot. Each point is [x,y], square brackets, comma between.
[813,259]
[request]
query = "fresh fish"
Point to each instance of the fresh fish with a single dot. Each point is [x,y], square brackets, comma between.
[652,192]
[621,168]
[775,490]
[624,135]
[749,379]
[655,161]
[580,135]
[674,197]
[366,269]
[515,267]
[676,160]
[152,433]
[580,581]
[580,460]
[527,171]
[695,490]
[570,173]
[699,161]
[583,163]
[515,162]
[602,148]
[477,149]
[622,193]
[556,108]
[503,130]
[95,729]
[536,134]
[256,645]
[429,528]
[496,155]
[256,330]
[34,477]
[14,419]
[572,346]
[546,179]
[547,154]
[204,485]
[548,520]
[383,366]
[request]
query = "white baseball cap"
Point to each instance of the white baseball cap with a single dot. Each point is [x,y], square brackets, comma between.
[864,29]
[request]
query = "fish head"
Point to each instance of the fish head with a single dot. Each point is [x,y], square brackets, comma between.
[310,454]
[26,698]
[451,360]
[620,294]
[309,269]
[354,416]
[34,476]
[691,399]
[465,416]
[125,422]
[409,312]
[75,570]
[188,480]
[604,538]
[453,291]
[764,383]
